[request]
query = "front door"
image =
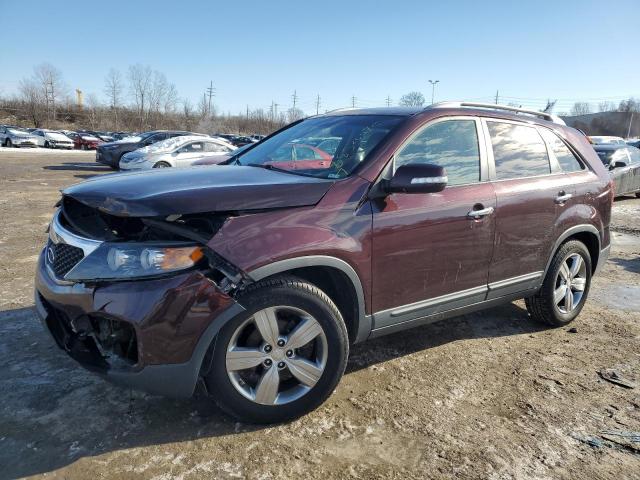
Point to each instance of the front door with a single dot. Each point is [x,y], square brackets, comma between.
[431,251]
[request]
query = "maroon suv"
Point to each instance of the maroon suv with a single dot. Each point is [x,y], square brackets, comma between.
[256,279]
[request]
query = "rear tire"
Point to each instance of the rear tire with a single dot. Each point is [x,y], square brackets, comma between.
[565,288]
[280,305]
[638,194]
[9,143]
[46,145]
[162,165]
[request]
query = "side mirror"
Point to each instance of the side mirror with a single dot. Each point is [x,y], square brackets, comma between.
[617,164]
[418,178]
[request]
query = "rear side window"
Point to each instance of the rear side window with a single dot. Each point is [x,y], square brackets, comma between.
[567,160]
[452,144]
[518,151]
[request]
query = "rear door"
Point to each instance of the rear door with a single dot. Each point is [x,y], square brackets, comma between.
[634,174]
[531,192]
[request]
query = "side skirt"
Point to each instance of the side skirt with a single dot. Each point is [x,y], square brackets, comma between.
[454,312]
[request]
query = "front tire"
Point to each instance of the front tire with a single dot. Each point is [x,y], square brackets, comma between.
[9,143]
[565,288]
[283,356]
[162,165]
[47,145]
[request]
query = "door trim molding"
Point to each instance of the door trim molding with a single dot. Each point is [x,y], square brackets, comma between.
[456,300]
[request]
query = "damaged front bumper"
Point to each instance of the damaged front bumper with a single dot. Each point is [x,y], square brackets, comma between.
[151,335]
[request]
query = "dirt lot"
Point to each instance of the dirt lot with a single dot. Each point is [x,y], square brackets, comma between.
[489,395]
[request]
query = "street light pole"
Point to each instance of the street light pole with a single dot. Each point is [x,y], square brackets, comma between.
[433,89]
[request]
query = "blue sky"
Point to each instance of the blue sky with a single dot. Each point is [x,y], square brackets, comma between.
[259,52]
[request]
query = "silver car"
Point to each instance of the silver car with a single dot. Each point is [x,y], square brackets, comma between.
[175,152]
[16,137]
[52,139]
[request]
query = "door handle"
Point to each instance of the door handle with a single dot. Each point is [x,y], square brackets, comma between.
[476,214]
[563,197]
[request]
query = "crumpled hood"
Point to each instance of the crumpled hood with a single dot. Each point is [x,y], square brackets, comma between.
[222,188]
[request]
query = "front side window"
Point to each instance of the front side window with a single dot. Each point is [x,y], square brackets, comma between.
[452,144]
[567,160]
[518,151]
[355,135]
[634,155]
[192,147]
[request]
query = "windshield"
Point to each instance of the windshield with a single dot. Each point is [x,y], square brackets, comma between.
[325,147]
[15,131]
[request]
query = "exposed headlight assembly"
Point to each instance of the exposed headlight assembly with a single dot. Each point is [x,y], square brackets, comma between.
[121,261]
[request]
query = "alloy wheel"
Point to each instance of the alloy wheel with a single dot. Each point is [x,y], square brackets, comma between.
[570,283]
[277,355]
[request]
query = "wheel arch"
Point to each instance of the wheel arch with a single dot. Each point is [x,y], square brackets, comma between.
[587,234]
[333,276]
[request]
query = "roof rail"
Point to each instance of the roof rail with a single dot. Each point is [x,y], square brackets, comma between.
[494,106]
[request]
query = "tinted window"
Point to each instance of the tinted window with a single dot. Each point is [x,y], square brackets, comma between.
[452,144]
[567,160]
[192,147]
[518,151]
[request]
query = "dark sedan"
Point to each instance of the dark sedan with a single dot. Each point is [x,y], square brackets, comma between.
[110,153]
[623,162]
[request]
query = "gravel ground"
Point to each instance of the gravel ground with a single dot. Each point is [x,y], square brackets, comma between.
[488,395]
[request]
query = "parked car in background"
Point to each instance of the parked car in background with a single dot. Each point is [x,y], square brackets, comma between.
[52,139]
[85,141]
[111,153]
[257,137]
[253,282]
[218,159]
[105,137]
[623,162]
[16,137]
[241,141]
[606,140]
[300,156]
[179,151]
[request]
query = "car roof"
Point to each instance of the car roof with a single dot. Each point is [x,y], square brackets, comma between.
[402,111]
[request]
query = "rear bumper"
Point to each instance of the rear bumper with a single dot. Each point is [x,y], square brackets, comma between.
[175,320]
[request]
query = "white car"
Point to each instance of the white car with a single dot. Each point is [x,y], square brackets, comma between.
[607,140]
[180,151]
[52,139]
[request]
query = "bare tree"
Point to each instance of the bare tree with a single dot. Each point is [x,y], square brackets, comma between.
[580,108]
[113,87]
[140,81]
[550,106]
[94,111]
[294,114]
[412,99]
[629,105]
[607,107]
[52,84]
[32,99]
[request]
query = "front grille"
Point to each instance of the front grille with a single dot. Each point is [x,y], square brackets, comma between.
[65,257]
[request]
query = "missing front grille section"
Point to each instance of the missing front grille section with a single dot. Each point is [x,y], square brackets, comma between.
[116,341]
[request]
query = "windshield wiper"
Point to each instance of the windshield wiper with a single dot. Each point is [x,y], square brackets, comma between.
[268,166]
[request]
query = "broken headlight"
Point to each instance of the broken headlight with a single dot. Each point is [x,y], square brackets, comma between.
[119,261]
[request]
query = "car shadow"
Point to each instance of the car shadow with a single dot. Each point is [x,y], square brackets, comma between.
[53,412]
[630,265]
[83,166]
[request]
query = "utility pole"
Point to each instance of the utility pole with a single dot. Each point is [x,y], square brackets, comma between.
[497,96]
[276,110]
[211,91]
[353,101]
[433,89]
[318,104]
[388,101]
[629,129]
[247,112]
[295,99]
[271,111]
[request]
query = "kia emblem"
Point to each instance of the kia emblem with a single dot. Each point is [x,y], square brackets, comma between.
[50,255]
